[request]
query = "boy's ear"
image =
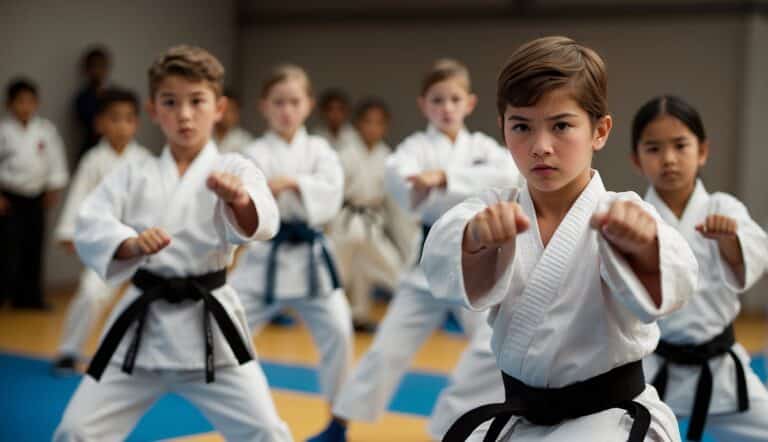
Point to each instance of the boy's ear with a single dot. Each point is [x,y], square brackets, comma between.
[471,103]
[312,104]
[636,162]
[151,109]
[603,128]
[221,107]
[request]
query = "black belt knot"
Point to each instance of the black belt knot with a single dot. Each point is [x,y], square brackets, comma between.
[173,290]
[550,406]
[700,355]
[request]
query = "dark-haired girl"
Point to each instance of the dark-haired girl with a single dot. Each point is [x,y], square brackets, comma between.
[698,368]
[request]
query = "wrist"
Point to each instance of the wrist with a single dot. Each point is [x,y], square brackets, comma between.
[469,245]
[647,260]
[241,202]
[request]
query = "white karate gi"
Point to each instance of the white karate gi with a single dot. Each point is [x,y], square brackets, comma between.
[317,169]
[32,158]
[569,311]
[235,140]
[150,193]
[92,292]
[366,243]
[711,309]
[474,162]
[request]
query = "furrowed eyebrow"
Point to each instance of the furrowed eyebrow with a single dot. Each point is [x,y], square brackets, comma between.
[560,116]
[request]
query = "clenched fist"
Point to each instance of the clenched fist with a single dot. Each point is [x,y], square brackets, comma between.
[148,242]
[717,227]
[228,187]
[280,184]
[629,228]
[494,226]
[428,180]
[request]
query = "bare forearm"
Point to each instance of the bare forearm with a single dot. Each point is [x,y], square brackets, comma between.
[246,216]
[479,272]
[730,250]
[647,267]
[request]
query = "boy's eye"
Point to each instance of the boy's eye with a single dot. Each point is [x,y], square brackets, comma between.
[519,127]
[197,101]
[652,149]
[561,126]
[681,146]
[168,102]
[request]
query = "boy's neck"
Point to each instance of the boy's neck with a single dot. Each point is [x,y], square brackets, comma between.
[452,134]
[371,145]
[555,205]
[184,155]
[288,136]
[23,123]
[118,148]
[677,200]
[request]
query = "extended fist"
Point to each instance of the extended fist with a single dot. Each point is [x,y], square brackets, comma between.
[427,180]
[494,226]
[717,226]
[627,226]
[280,184]
[228,187]
[148,242]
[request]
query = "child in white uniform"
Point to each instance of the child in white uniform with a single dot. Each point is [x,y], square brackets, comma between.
[171,224]
[296,270]
[574,276]
[365,231]
[334,110]
[117,116]
[699,369]
[428,173]
[33,170]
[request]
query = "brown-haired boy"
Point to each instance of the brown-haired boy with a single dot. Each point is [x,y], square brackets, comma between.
[170,224]
[574,276]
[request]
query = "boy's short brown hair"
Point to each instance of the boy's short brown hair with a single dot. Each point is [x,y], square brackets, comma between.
[445,69]
[189,62]
[550,63]
[283,72]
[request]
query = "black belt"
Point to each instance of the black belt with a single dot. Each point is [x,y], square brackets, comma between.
[550,406]
[295,233]
[173,290]
[699,355]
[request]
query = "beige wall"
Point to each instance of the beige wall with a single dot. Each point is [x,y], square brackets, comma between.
[43,39]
